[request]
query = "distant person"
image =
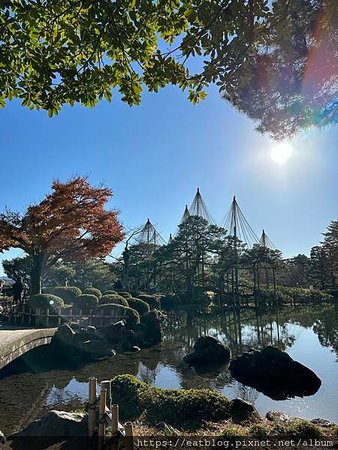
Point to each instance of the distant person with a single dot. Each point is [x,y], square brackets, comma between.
[18,290]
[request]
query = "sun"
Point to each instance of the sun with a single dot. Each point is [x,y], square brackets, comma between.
[280,153]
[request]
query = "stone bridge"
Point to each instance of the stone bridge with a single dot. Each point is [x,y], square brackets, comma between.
[16,342]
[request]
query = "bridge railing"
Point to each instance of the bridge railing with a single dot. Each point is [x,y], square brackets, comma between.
[56,317]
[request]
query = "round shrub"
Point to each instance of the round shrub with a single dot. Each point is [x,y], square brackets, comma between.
[110,292]
[93,291]
[86,303]
[125,294]
[67,293]
[153,300]
[113,298]
[132,316]
[45,301]
[139,305]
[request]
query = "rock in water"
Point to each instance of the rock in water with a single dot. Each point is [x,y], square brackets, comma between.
[113,332]
[149,331]
[208,351]
[84,343]
[274,373]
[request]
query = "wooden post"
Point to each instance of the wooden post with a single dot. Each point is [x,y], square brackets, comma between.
[128,429]
[59,311]
[92,406]
[106,384]
[114,419]
[114,443]
[101,318]
[47,318]
[102,417]
[29,317]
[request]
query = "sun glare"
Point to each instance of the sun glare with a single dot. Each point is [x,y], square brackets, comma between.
[280,153]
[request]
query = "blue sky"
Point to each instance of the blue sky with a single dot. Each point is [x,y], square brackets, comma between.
[155,155]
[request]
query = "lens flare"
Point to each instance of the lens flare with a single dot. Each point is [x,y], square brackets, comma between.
[280,153]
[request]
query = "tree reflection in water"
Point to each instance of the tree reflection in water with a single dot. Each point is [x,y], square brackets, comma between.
[40,380]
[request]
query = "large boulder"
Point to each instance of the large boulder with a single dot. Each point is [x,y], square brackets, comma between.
[64,334]
[208,350]
[129,341]
[84,343]
[113,332]
[58,424]
[149,331]
[274,373]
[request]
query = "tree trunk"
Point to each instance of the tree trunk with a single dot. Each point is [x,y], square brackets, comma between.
[274,285]
[36,275]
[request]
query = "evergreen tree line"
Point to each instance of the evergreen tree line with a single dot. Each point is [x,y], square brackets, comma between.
[203,257]
[198,259]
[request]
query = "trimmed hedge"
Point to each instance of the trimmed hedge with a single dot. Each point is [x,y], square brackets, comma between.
[93,291]
[110,292]
[86,303]
[139,305]
[132,316]
[45,301]
[125,294]
[67,293]
[172,406]
[153,301]
[113,298]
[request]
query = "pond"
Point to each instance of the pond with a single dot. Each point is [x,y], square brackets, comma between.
[38,381]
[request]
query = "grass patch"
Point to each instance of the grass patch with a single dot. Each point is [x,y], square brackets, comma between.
[298,429]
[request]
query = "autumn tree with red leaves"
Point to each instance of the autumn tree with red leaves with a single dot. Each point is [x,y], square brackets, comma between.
[71,223]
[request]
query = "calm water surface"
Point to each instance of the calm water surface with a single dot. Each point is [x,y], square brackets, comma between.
[38,382]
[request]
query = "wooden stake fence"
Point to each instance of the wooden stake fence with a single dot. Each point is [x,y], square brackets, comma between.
[49,318]
[102,414]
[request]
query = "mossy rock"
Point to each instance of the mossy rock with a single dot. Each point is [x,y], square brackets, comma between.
[172,406]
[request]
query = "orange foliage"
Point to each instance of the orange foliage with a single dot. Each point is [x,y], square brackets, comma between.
[70,223]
